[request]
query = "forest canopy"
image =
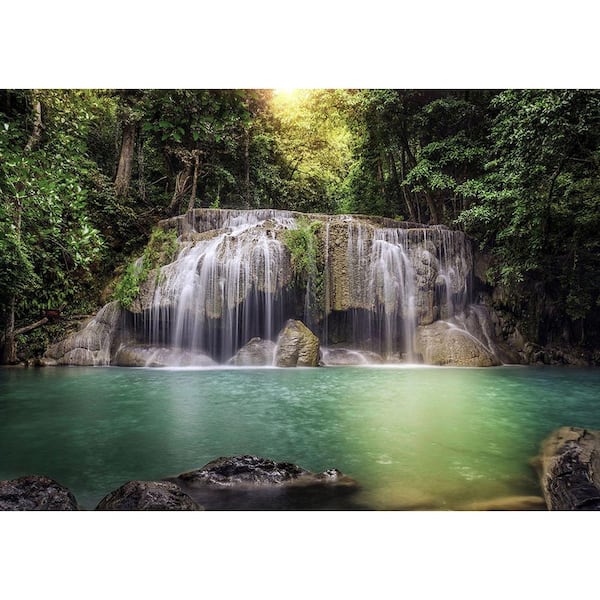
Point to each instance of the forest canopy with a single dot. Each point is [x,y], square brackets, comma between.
[86,174]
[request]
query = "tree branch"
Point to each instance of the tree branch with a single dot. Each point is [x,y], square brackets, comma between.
[31,327]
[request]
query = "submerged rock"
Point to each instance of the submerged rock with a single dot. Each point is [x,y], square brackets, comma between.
[153,356]
[508,503]
[569,469]
[35,492]
[148,495]
[297,346]
[256,483]
[256,353]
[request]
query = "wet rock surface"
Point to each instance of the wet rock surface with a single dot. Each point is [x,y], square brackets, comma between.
[91,346]
[256,483]
[569,469]
[256,353]
[297,346]
[441,343]
[334,357]
[148,495]
[35,492]
[153,356]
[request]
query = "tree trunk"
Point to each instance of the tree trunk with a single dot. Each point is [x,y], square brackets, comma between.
[182,182]
[124,168]
[398,191]
[36,132]
[9,352]
[192,201]
[433,209]
[380,178]
[141,180]
[247,167]
[405,193]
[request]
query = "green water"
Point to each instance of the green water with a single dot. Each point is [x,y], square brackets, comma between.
[426,438]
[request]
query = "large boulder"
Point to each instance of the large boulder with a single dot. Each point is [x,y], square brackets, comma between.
[256,483]
[156,356]
[443,343]
[569,469]
[297,346]
[256,353]
[148,495]
[35,492]
[93,345]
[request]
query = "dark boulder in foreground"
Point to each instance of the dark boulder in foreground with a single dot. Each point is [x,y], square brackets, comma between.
[255,483]
[569,469]
[148,495]
[35,492]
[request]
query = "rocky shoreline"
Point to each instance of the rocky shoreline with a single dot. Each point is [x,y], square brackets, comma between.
[568,468]
[227,483]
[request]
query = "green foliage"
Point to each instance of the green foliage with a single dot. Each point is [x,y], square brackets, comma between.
[49,245]
[303,245]
[210,124]
[160,250]
[537,207]
[313,144]
[307,262]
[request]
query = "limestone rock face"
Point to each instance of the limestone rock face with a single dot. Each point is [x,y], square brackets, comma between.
[442,343]
[35,492]
[93,344]
[569,469]
[256,353]
[256,483]
[154,356]
[148,495]
[297,346]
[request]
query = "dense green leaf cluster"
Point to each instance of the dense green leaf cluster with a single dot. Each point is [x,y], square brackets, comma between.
[303,246]
[160,250]
[537,207]
[48,245]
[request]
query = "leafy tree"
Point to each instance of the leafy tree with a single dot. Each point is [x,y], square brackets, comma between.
[537,208]
[414,149]
[48,246]
[313,140]
[199,133]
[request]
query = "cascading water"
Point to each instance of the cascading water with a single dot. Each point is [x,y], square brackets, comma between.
[401,277]
[377,285]
[223,290]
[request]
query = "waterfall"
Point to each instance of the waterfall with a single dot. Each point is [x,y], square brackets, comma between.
[231,282]
[401,277]
[225,286]
[375,284]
